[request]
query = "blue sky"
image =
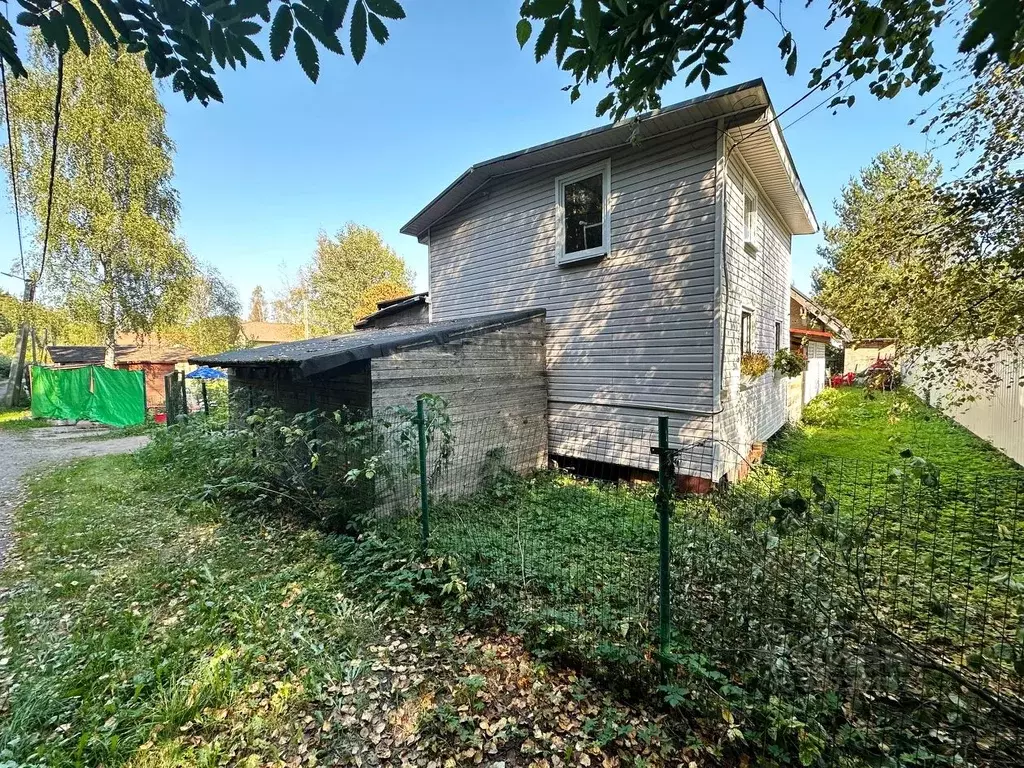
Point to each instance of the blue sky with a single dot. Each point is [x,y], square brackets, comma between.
[283,158]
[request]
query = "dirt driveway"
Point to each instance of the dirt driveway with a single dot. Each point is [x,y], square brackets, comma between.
[31,449]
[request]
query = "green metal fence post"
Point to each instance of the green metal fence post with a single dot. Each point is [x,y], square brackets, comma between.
[663,502]
[421,428]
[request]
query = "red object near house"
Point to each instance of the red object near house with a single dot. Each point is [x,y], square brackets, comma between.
[160,418]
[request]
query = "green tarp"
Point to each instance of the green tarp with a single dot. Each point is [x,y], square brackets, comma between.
[106,395]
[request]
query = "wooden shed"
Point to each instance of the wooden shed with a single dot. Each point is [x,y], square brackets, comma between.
[489,368]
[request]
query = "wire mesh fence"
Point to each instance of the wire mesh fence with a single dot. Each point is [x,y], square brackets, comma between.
[836,613]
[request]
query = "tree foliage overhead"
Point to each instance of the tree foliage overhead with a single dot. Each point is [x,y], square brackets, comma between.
[113,252]
[637,45]
[188,40]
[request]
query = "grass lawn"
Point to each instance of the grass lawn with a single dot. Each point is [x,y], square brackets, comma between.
[17,419]
[850,424]
[140,630]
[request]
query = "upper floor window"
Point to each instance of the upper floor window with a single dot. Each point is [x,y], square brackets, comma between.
[583,228]
[778,335]
[749,217]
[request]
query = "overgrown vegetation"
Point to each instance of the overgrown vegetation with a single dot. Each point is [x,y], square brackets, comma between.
[829,610]
[145,626]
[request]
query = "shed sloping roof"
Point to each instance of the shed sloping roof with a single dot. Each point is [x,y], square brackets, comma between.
[314,356]
[748,108]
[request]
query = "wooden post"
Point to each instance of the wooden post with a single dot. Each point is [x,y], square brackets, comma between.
[206,400]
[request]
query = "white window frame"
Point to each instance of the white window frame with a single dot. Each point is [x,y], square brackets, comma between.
[605,249]
[750,233]
[750,313]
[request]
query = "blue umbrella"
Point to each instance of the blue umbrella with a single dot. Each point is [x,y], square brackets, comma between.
[206,373]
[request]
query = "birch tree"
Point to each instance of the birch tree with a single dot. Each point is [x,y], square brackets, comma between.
[112,243]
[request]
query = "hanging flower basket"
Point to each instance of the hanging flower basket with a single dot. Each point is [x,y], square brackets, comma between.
[789,364]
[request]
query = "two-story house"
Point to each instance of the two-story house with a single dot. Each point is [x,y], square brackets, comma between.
[660,248]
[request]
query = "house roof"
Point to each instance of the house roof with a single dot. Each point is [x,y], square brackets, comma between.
[153,353]
[123,354]
[78,355]
[823,316]
[314,356]
[751,118]
[393,307]
[259,331]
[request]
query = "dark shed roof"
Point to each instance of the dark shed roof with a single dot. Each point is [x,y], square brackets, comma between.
[313,356]
[393,307]
[77,355]
[123,354]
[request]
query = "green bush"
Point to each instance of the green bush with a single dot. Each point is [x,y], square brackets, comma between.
[321,466]
[825,410]
[5,366]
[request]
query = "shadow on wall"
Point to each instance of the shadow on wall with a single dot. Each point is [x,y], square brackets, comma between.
[634,328]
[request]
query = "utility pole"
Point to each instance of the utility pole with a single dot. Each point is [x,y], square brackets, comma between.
[12,396]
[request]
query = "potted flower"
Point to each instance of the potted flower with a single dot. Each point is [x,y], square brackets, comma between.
[754,365]
[789,364]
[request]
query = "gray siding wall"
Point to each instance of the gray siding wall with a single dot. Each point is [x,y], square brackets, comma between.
[752,411]
[629,337]
[496,389]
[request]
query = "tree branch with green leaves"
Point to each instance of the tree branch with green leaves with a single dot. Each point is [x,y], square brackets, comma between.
[189,40]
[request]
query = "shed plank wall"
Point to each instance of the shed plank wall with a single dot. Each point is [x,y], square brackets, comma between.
[628,335]
[751,411]
[496,389]
[346,388]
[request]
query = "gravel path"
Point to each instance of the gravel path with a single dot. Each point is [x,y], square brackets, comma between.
[34,448]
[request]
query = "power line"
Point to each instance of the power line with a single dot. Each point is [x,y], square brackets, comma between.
[819,105]
[53,172]
[14,175]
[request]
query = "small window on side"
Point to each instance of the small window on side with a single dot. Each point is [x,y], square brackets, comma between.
[583,229]
[746,333]
[778,335]
[750,218]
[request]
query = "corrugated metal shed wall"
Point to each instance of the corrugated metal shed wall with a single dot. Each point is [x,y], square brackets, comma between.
[628,335]
[998,418]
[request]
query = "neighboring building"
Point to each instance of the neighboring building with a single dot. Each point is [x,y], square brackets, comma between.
[660,248]
[812,331]
[489,368]
[253,333]
[153,359]
[861,354]
[405,310]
